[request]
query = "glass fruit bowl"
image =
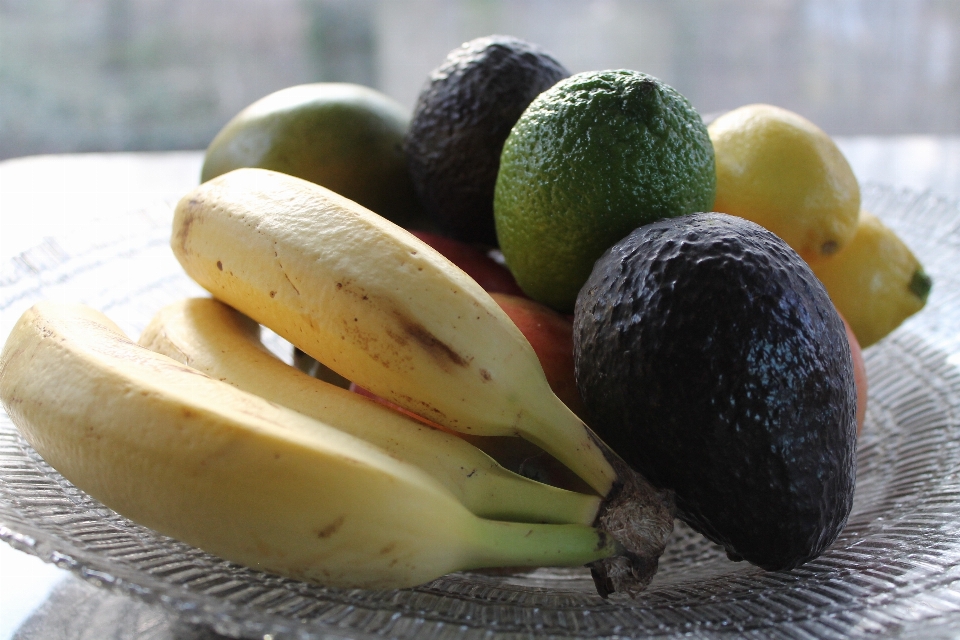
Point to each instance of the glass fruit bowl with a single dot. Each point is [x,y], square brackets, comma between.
[894,570]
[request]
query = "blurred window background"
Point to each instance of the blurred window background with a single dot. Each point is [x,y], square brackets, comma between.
[124,75]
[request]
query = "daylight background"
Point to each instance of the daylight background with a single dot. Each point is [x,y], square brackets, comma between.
[111,75]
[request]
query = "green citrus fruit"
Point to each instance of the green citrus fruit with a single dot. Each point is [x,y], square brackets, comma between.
[343,136]
[591,159]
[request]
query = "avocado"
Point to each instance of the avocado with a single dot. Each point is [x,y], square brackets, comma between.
[461,119]
[711,359]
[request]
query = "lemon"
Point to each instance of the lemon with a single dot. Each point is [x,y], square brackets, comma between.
[781,171]
[875,282]
[343,136]
[590,159]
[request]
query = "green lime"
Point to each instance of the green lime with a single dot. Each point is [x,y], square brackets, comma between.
[342,136]
[591,159]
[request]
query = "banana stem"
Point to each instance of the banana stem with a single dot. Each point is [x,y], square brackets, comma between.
[510,496]
[515,544]
[558,431]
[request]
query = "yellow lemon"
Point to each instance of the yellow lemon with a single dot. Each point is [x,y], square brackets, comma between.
[875,282]
[781,171]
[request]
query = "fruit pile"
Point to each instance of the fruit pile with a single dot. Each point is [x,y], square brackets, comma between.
[425,271]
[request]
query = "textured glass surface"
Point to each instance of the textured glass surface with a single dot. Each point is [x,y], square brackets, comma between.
[894,570]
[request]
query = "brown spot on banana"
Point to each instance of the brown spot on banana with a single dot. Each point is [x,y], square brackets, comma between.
[425,410]
[331,528]
[291,282]
[440,351]
[190,215]
[399,338]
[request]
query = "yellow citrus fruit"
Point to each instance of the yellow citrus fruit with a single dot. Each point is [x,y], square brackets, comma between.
[592,158]
[781,171]
[875,281]
[343,136]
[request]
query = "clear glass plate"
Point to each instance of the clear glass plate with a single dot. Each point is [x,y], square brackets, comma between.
[895,570]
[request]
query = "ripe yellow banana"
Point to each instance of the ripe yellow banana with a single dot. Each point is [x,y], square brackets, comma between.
[383,309]
[243,478]
[214,338]
[376,305]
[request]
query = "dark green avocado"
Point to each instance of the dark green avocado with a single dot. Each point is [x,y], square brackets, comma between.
[462,118]
[711,359]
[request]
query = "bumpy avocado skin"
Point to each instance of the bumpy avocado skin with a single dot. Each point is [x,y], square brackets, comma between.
[462,117]
[711,358]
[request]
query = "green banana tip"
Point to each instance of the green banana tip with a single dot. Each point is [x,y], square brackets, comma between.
[920,284]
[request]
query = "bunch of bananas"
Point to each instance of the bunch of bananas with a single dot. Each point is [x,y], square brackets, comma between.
[200,433]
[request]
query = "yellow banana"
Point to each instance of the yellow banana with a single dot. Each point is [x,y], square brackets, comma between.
[376,305]
[384,309]
[243,478]
[214,338]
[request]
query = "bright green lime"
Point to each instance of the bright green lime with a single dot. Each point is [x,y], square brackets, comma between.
[343,136]
[591,159]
